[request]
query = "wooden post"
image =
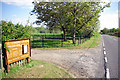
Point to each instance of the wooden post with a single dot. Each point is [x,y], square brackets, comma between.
[33,41]
[78,40]
[1,56]
[7,68]
[14,63]
[62,41]
[11,65]
[19,62]
[28,60]
[45,35]
[23,61]
[42,42]
[1,60]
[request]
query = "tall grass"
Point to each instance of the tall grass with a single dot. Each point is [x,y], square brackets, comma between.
[94,41]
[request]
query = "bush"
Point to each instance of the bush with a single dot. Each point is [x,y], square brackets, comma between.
[14,31]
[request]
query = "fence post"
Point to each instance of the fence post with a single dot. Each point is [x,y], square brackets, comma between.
[33,41]
[45,35]
[1,58]
[42,42]
[78,40]
[62,40]
[8,68]
[19,62]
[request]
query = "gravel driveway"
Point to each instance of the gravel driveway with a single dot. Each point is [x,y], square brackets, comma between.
[82,63]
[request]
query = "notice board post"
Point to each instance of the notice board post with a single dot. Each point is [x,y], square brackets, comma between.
[15,50]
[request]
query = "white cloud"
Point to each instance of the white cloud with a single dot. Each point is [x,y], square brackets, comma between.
[19,20]
[109,20]
[114,0]
[110,0]
[23,3]
[29,7]
[14,15]
[23,20]
[18,2]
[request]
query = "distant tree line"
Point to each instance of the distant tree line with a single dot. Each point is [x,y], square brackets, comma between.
[45,30]
[113,31]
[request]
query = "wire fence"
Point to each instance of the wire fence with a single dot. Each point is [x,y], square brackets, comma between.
[54,41]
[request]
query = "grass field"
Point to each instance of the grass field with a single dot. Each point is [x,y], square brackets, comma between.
[48,40]
[59,43]
[36,69]
[52,43]
[46,33]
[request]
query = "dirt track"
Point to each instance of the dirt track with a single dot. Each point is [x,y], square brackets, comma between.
[82,63]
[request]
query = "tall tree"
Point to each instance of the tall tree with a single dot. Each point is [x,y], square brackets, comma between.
[52,14]
[83,14]
[69,15]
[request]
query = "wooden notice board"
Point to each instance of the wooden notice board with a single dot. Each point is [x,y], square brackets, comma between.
[16,50]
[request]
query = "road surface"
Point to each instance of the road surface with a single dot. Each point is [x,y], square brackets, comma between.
[110,44]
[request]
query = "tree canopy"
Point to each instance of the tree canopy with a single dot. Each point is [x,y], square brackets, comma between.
[68,16]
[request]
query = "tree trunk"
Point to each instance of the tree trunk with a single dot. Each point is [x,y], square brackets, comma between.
[74,41]
[64,35]
[80,40]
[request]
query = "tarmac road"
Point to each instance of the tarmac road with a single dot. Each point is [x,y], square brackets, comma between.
[110,44]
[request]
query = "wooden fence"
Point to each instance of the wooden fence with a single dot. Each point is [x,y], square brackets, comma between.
[41,41]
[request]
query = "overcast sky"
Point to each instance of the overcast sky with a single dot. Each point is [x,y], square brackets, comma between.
[19,11]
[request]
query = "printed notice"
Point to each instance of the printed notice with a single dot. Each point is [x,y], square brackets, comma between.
[25,48]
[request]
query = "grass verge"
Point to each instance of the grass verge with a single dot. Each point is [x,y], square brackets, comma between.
[36,69]
[94,41]
[0,74]
[114,35]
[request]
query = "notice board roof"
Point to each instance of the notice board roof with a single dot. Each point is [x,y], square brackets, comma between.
[16,40]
